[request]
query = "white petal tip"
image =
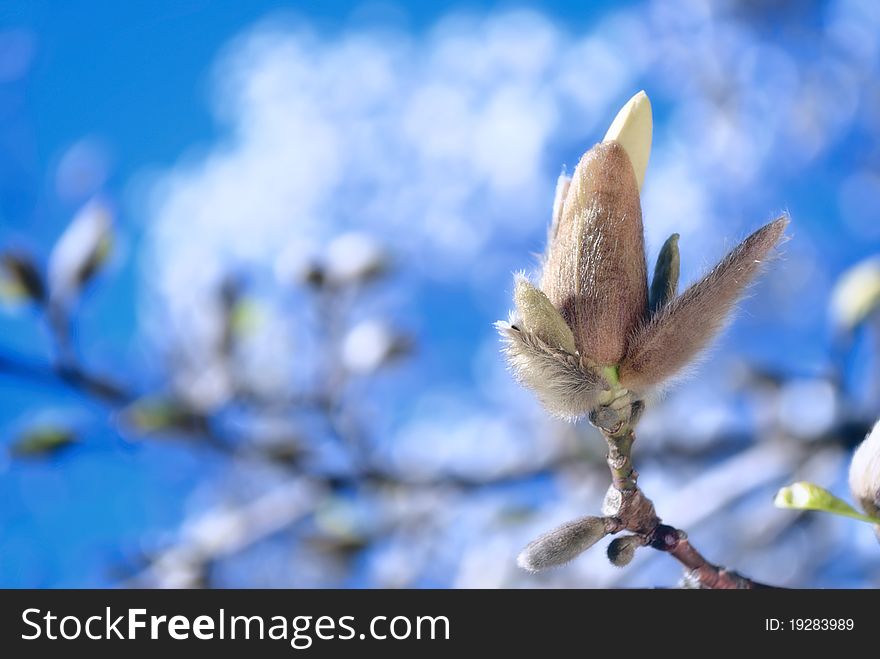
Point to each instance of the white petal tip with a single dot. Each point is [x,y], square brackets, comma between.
[633,128]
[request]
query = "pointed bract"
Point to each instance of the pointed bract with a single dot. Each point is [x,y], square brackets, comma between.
[664,285]
[595,271]
[675,335]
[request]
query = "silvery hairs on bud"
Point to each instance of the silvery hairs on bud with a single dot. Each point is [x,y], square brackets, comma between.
[541,351]
[595,271]
[590,331]
[562,544]
[674,335]
[864,474]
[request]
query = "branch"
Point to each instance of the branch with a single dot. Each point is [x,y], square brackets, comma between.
[723,484]
[631,510]
[226,531]
[70,376]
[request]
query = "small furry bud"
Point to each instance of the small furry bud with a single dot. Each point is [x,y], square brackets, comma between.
[864,473]
[621,550]
[562,544]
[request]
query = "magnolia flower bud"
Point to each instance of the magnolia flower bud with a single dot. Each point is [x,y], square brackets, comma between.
[595,271]
[622,550]
[588,337]
[864,474]
[562,544]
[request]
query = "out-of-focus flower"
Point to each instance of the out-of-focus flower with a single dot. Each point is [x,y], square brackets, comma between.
[80,251]
[354,258]
[20,279]
[807,408]
[349,259]
[864,474]
[590,334]
[371,344]
[856,294]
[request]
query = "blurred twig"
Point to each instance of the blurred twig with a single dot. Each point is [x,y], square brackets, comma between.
[70,376]
[224,532]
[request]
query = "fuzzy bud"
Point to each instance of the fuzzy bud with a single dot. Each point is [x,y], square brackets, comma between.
[562,544]
[622,550]
[590,334]
[540,317]
[595,272]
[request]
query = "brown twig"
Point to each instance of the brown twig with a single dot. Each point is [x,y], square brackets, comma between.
[633,511]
